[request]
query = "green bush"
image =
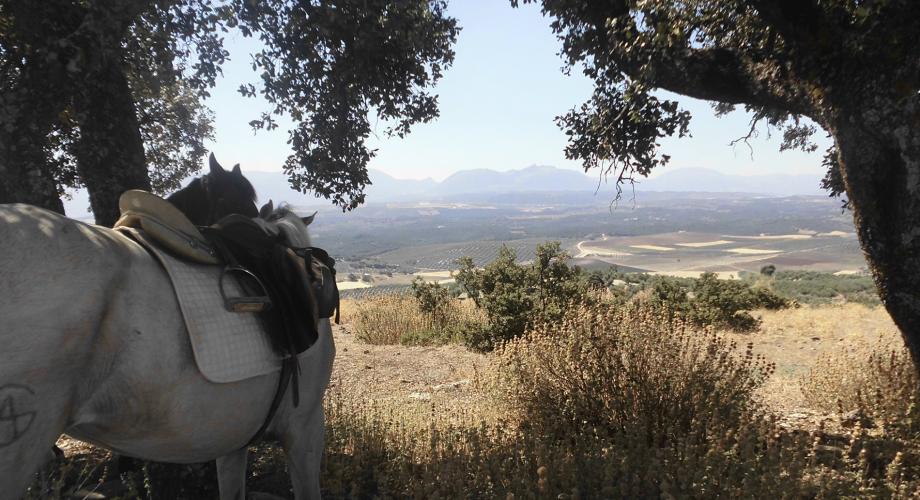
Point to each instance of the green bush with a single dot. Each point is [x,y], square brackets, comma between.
[433,299]
[515,296]
[709,301]
[811,287]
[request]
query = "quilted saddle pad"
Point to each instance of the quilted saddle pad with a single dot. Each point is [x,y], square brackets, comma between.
[228,346]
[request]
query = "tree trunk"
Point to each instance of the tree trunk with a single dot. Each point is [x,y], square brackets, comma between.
[110,156]
[880,163]
[27,115]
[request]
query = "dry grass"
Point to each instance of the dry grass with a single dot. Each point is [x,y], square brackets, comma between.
[794,339]
[878,381]
[395,318]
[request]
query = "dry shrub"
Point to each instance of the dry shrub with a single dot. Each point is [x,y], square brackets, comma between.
[878,381]
[629,369]
[395,318]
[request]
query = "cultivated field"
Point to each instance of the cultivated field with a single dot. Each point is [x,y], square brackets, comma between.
[683,253]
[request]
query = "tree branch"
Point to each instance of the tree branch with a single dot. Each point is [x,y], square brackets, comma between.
[719,74]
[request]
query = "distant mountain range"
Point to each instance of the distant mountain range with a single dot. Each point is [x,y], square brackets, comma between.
[484,183]
[544,178]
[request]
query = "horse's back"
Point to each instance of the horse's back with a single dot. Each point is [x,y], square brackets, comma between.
[41,242]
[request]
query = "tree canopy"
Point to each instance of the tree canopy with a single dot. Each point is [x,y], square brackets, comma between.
[109,95]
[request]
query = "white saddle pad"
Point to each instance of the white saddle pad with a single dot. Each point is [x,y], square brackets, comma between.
[228,346]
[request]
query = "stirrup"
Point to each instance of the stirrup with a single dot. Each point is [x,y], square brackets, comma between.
[257,303]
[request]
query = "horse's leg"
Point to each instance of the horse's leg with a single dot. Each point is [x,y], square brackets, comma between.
[231,475]
[28,430]
[303,445]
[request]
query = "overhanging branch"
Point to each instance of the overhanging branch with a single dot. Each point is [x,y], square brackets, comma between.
[718,74]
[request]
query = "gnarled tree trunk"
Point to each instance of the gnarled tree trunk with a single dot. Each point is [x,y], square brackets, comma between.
[880,163]
[110,156]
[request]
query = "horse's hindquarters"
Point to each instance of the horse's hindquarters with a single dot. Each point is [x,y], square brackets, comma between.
[57,277]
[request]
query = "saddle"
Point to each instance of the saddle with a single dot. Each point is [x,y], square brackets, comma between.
[279,280]
[166,224]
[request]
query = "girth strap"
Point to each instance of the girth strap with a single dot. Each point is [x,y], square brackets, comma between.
[289,369]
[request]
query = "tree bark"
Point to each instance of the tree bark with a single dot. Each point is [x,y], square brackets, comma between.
[880,164]
[110,155]
[27,115]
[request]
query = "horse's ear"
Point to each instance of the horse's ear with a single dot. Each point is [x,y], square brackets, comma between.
[236,170]
[267,209]
[308,220]
[216,169]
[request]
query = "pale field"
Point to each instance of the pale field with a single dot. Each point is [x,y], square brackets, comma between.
[586,251]
[772,237]
[723,275]
[704,244]
[414,381]
[652,247]
[434,275]
[352,285]
[753,251]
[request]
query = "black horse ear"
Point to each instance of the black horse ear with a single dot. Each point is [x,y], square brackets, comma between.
[308,220]
[216,169]
[236,170]
[266,209]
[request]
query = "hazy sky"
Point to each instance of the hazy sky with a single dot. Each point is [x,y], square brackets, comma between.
[497,106]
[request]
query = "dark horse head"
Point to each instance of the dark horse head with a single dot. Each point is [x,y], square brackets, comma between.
[211,197]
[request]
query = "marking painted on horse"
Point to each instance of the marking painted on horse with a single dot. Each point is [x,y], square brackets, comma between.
[15,417]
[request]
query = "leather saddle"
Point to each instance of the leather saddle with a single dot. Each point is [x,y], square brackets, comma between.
[166,224]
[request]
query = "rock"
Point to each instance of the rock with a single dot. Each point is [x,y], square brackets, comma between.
[421,396]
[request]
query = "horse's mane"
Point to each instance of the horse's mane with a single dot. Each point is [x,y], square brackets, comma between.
[291,224]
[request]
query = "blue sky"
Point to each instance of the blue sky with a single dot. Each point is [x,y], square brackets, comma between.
[497,106]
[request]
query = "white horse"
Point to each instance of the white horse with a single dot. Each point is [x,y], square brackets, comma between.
[92,344]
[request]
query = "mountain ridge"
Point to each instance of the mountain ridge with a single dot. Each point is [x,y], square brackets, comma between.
[534,179]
